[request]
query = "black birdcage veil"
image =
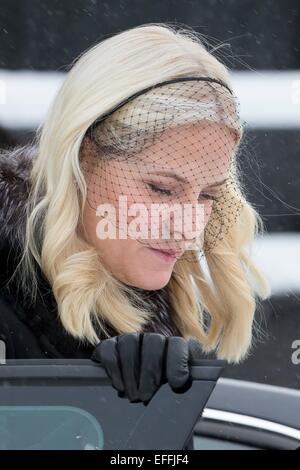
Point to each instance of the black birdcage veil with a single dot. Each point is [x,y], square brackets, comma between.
[161,167]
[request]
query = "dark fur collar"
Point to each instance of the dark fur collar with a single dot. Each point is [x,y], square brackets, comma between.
[15,166]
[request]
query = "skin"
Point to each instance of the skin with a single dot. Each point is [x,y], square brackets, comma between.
[200,153]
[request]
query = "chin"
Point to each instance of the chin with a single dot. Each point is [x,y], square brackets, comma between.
[152,282]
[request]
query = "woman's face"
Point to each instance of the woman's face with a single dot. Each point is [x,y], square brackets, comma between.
[120,216]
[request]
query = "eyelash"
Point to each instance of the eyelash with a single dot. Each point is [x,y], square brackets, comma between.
[168,192]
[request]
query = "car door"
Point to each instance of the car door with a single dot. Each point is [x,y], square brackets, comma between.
[249,415]
[70,404]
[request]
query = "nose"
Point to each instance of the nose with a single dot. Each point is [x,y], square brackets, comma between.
[189,220]
[194,220]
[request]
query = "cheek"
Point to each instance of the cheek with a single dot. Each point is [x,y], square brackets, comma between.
[133,213]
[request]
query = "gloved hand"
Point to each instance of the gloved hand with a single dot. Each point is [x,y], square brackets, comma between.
[139,363]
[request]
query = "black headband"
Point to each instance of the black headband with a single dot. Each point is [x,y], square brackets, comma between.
[152,87]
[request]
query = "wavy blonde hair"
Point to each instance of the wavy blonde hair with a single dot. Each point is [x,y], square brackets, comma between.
[84,289]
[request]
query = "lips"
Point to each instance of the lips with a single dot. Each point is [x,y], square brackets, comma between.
[172,253]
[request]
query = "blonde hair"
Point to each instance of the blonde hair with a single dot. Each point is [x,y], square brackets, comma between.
[84,290]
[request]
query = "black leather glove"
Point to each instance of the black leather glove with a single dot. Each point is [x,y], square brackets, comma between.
[139,363]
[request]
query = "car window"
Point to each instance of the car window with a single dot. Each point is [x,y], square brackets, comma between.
[49,428]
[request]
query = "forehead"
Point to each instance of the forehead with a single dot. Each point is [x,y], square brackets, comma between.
[200,149]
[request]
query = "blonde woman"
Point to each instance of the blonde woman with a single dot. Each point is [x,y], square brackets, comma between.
[148,114]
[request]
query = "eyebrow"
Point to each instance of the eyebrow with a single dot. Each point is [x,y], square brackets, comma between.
[182,179]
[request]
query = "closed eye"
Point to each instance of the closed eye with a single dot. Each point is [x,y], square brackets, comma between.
[208,197]
[159,190]
[168,192]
